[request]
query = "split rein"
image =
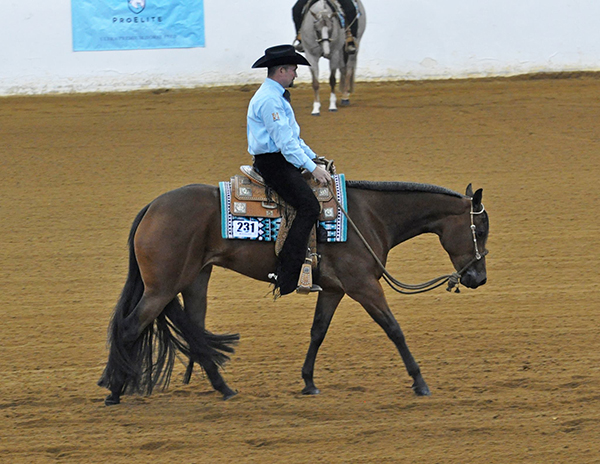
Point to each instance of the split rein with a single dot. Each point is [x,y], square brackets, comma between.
[453,279]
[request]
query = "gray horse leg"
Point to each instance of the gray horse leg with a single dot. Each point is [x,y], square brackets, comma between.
[314,70]
[345,84]
[332,84]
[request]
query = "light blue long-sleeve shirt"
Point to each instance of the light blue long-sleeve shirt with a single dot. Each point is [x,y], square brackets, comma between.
[272,127]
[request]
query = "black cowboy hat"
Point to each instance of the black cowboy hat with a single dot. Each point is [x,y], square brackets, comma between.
[280,55]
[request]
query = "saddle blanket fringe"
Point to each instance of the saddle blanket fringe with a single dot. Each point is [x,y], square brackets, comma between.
[266,229]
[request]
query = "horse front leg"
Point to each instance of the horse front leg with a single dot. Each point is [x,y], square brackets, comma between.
[372,298]
[326,305]
[332,97]
[314,70]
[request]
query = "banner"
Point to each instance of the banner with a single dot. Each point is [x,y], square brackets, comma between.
[137,24]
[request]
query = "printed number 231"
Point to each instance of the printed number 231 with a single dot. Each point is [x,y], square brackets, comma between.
[246,227]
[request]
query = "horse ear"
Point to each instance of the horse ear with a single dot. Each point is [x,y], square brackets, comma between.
[469,192]
[477,197]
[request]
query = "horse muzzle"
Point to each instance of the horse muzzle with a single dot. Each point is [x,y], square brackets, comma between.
[473,279]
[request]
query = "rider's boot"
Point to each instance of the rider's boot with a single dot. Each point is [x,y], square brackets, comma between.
[350,45]
[305,280]
[298,43]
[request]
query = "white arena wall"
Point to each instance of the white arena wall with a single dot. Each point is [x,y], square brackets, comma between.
[404,40]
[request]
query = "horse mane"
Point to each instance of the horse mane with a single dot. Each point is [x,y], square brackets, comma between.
[389,186]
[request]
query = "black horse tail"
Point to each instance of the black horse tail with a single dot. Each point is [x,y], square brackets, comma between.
[147,362]
[123,369]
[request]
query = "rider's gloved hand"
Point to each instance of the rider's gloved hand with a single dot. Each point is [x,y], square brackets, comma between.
[321,175]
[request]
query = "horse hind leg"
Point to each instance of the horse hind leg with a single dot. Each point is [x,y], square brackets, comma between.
[347,79]
[195,299]
[144,314]
[129,345]
[345,85]
[202,347]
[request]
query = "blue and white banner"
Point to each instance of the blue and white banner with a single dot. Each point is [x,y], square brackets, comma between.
[137,24]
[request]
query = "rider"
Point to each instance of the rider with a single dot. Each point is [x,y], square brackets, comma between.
[280,154]
[350,12]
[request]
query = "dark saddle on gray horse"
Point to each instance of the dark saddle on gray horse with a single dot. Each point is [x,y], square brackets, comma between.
[334,5]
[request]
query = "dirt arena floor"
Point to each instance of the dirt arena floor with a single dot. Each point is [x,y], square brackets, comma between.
[514,366]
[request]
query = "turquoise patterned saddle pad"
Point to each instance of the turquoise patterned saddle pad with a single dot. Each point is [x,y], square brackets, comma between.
[266,229]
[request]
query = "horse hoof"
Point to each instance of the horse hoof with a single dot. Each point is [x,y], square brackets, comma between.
[228,395]
[111,400]
[345,102]
[421,390]
[315,114]
[310,391]
[332,110]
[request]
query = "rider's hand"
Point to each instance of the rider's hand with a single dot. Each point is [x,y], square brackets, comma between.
[321,175]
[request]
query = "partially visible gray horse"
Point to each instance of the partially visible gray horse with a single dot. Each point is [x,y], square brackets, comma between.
[322,36]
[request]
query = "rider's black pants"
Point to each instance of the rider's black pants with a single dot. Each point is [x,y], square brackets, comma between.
[289,184]
[347,6]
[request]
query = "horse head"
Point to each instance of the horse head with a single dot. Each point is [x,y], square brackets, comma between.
[323,24]
[464,238]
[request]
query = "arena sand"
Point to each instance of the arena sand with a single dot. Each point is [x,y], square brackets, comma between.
[514,366]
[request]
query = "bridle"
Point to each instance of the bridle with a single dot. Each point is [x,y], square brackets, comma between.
[453,279]
[473,213]
[320,36]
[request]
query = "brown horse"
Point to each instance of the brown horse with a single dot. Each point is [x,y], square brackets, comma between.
[176,240]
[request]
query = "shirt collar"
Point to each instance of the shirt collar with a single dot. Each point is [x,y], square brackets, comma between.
[274,84]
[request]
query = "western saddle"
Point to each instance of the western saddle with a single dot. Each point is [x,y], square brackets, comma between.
[250,197]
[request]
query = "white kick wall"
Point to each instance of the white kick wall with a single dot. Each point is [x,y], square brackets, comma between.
[404,39]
